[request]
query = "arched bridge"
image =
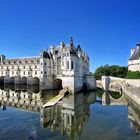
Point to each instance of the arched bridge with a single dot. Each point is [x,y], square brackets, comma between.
[113,83]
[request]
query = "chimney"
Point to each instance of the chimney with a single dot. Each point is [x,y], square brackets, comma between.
[62,44]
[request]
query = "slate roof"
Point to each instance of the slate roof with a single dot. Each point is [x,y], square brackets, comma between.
[136,54]
[79,48]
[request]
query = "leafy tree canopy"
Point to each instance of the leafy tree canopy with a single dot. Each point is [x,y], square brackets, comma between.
[133,75]
[114,70]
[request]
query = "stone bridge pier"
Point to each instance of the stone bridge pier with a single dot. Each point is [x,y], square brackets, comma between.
[18,80]
[105,98]
[105,83]
[113,83]
[75,84]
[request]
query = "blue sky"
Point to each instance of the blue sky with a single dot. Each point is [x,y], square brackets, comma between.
[106,29]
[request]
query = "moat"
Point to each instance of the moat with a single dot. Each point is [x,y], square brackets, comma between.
[92,115]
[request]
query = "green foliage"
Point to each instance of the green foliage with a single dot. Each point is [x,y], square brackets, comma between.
[133,75]
[114,70]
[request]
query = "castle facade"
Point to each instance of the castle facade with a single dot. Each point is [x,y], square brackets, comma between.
[63,64]
[134,61]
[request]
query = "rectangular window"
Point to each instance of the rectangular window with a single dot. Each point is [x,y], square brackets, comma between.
[67,64]
[62,63]
[72,65]
[68,119]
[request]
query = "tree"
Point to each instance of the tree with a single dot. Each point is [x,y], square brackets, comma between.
[114,70]
[133,75]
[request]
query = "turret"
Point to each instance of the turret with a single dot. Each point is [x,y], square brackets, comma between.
[79,50]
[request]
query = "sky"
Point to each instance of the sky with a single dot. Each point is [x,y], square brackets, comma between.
[106,29]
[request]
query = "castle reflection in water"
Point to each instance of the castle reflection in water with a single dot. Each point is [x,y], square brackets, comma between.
[69,115]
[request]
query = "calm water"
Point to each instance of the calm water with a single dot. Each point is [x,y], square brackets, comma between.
[93,115]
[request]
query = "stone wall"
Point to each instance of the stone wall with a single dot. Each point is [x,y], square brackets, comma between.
[133,82]
[134,65]
[91,83]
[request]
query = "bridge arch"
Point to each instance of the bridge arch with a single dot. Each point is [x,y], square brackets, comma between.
[1,79]
[12,80]
[116,86]
[58,83]
[34,81]
[24,80]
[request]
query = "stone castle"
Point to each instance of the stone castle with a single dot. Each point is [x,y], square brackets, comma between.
[59,66]
[134,61]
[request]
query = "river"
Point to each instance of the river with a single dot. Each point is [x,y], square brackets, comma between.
[84,116]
